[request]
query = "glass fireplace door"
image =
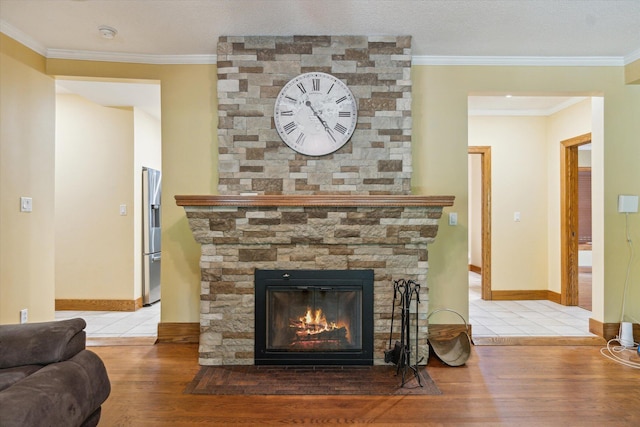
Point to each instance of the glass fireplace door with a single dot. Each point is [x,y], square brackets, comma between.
[314,317]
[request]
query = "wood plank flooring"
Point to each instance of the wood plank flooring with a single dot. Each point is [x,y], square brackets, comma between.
[585,299]
[499,386]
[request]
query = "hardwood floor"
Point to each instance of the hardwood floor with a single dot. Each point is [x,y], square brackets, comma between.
[524,386]
[584,288]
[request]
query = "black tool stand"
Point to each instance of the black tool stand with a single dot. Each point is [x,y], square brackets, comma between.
[407,290]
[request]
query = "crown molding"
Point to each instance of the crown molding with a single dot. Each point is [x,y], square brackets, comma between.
[528,61]
[130,57]
[11,31]
[24,39]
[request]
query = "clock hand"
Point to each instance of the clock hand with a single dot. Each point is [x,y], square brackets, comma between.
[330,133]
[315,113]
[326,126]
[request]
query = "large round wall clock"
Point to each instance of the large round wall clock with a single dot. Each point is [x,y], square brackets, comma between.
[315,114]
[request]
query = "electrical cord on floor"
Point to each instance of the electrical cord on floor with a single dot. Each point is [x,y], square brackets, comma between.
[616,353]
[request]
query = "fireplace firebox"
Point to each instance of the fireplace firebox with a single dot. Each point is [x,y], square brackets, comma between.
[313,317]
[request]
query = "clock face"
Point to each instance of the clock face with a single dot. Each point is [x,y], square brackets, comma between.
[315,114]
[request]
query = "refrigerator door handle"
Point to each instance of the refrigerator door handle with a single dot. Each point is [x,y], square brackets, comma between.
[155,257]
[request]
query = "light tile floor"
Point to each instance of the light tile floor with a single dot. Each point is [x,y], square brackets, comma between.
[111,324]
[539,318]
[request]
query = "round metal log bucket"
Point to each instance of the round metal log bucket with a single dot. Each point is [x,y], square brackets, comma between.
[451,345]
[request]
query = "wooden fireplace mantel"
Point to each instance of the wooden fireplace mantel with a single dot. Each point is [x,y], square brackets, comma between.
[340,200]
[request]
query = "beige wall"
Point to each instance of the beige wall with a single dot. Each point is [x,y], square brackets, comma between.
[94,176]
[100,153]
[584,158]
[519,171]
[27,114]
[632,72]
[440,160]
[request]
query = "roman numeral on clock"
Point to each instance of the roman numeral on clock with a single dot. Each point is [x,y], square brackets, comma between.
[316,84]
[344,114]
[300,138]
[301,87]
[289,127]
[291,99]
[286,113]
[338,127]
[338,101]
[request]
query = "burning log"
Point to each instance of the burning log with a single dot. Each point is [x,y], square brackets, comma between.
[313,326]
[338,334]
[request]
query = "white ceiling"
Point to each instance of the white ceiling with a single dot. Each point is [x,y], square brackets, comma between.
[551,32]
[458,28]
[145,96]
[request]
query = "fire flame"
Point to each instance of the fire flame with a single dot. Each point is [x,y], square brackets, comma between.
[316,322]
[313,322]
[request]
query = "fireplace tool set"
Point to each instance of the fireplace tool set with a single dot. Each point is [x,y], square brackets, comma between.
[400,353]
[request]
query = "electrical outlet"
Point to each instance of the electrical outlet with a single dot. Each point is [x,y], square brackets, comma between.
[24,315]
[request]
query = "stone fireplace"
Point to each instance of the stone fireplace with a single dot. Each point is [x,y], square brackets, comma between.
[280,210]
[239,234]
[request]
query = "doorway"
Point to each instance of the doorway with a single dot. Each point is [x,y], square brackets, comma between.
[480,216]
[524,285]
[572,208]
[105,132]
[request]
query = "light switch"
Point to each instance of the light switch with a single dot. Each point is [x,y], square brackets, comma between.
[516,216]
[453,218]
[123,210]
[26,204]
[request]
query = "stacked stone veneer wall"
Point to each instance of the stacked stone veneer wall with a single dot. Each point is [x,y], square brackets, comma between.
[236,240]
[251,155]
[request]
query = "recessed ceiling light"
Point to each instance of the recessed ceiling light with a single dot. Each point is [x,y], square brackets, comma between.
[508,96]
[107,32]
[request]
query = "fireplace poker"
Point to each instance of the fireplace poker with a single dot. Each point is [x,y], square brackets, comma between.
[392,355]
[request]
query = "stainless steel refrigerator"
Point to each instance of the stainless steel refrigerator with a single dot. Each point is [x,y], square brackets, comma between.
[151,250]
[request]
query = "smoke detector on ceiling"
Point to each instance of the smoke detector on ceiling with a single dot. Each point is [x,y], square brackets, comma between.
[107,32]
